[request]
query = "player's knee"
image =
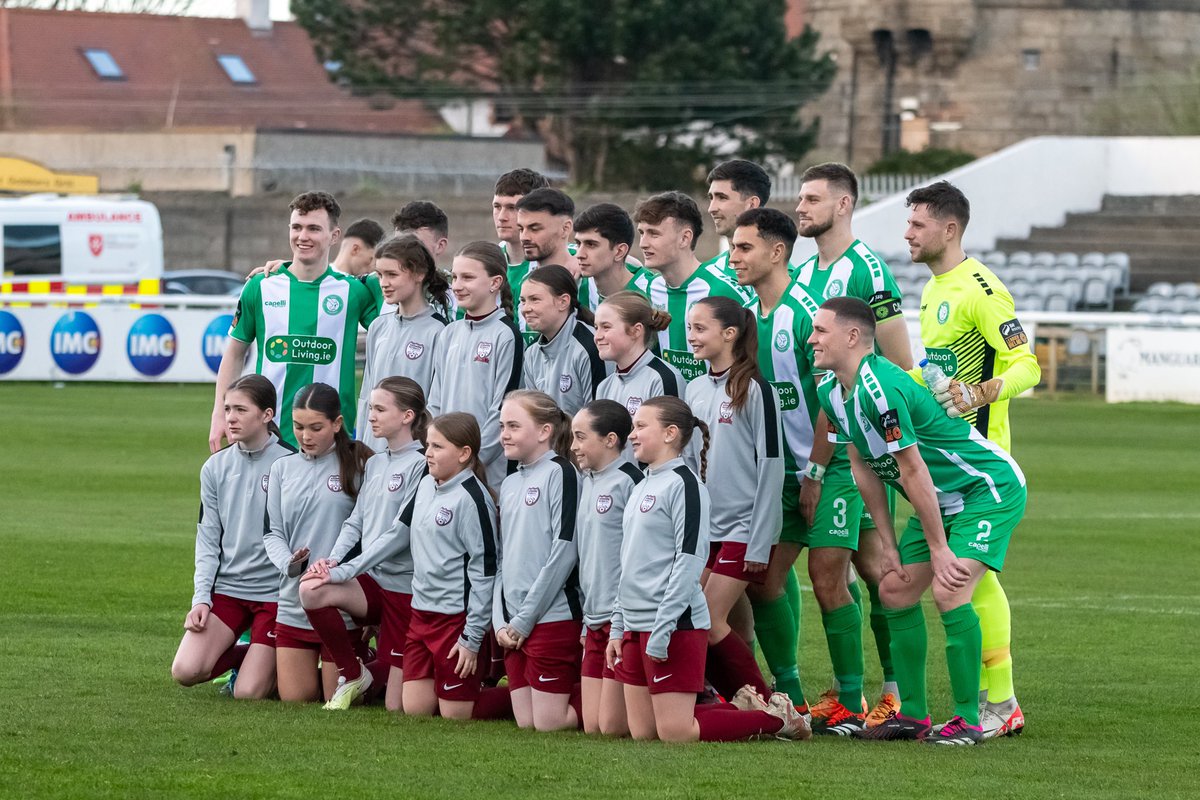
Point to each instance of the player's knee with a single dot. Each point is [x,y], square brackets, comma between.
[187,673]
[947,599]
[246,688]
[894,592]
[456,711]
[310,597]
[610,727]
[676,731]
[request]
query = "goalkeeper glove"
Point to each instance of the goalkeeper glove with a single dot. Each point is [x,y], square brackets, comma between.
[960,398]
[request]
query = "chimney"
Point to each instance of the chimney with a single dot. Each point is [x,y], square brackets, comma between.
[256,14]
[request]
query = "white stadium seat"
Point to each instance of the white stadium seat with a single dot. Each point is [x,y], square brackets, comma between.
[1160,289]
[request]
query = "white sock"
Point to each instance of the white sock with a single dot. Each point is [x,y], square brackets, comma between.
[890,687]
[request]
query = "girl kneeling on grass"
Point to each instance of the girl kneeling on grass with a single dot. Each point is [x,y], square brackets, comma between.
[375,587]
[236,587]
[455,556]
[660,624]
[600,431]
[309,497]
[538,611]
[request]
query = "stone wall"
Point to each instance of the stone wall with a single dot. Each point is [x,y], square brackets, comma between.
[980,75]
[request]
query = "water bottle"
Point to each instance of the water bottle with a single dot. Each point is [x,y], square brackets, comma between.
[937,381]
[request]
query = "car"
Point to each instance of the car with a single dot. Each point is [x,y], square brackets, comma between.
[203,281]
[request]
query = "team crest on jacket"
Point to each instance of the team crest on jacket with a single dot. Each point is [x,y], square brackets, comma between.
[395,482]
[632,405]
[725,414]
[565,382]
[443,516]
[334,482]
[483,352]
[531,495]
[413,350]
[266,479]
[603,503]
[647,503]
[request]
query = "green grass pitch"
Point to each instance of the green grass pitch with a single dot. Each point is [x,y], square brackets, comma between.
[98,509]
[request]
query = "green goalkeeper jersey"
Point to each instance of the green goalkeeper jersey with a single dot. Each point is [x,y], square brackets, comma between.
[785,358]
[707,281]
[970,329]
[307,332]
[888,411]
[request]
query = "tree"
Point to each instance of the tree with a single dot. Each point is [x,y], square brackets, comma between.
[621,89]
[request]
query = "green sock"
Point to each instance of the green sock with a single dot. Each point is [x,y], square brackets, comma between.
[791,589]
[843,632]
[964,649]
[883,639]
[777,632]
[910,641]
[856,594]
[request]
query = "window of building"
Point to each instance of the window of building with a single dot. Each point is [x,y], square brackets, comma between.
[236,69]
[104,64]
[1032,59]
[32,250]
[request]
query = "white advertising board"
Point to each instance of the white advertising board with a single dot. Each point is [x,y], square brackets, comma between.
[112,343]
[1153,364]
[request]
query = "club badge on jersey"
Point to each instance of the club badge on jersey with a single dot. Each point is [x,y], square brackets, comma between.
[334,482]
[565,382]
[483,352]
[395,482]
[725,414]
[647,503]
[632,405]
[604,503]
[414,350]
[531,495]
[443,516]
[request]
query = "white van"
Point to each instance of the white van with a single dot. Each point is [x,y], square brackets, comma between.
[80,239]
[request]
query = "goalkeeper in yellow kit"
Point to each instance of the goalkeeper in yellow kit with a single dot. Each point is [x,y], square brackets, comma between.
[970,329]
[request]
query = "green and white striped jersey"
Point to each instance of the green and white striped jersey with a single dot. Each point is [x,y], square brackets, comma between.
[785,358]
[888,411]
[708,280]
[859,272]
[307,332]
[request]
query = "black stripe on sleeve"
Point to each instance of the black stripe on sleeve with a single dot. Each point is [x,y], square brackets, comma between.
[983,415]
[476,493]
[570,499]
[669,381]
[201,519]
[633,472]
[518,359]
[770,416]
[982,282]
[596,366]
[691,510]
[406,513]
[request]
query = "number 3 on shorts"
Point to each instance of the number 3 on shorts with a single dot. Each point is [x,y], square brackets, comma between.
[839,512]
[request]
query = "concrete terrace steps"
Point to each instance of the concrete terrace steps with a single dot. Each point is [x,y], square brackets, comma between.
[1160,234]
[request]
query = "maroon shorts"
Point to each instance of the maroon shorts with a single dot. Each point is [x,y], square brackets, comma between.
[549,659]
[729,558]
[242,615]
[594,663]
[431,636]
[393,627]
[374,594]
[306,639]
[683,671]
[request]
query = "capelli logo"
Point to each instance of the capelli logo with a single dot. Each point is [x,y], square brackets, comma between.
[275,303]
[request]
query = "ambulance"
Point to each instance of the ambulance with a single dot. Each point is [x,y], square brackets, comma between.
[72,240]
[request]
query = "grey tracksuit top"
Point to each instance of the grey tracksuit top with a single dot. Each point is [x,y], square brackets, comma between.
[599,532]
[455,552]
[539,577]
[647,377]
[230,557]
[476,363]
[567,367]
[663,554]
[397,345]
[745,462]
[306,507]
[389,484]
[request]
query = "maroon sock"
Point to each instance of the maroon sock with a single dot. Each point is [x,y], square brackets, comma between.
[723,723]
[330,626]
[576,702]
[731,666]
[494,703]
[230,659]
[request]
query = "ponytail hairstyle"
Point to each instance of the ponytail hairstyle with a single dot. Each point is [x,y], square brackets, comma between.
[673,411]
[462,430]
[609,416]
[495,264]
[352,455]
[262,393]
[729,314]
[408,394]
[544,411]
[635,309]
[560,281]
[415,257]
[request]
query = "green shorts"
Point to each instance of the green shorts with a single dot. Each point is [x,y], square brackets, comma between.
[836,521]
[868,523]
[981,531]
